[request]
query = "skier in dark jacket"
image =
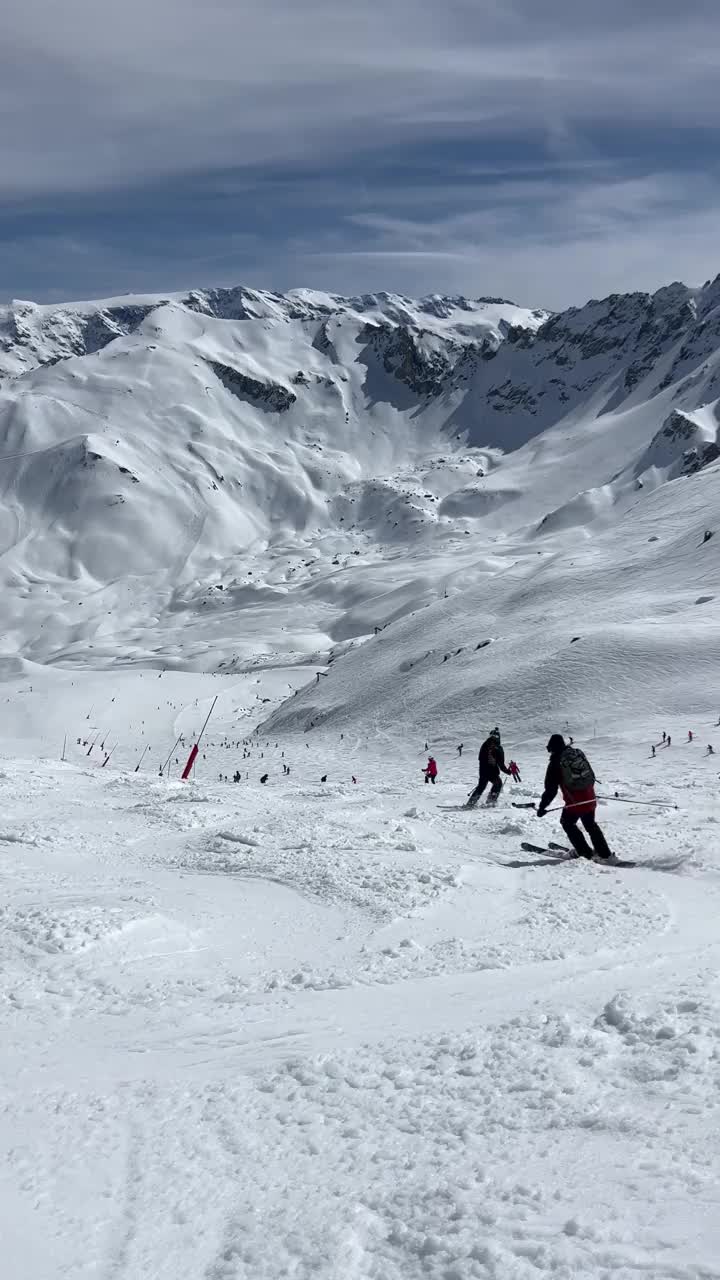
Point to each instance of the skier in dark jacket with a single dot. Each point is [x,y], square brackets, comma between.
[580,802]
[492,761]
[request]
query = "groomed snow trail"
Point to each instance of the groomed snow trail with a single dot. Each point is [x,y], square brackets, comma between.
[326,1030]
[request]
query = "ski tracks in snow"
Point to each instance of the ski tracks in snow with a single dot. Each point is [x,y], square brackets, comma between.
[321,1035]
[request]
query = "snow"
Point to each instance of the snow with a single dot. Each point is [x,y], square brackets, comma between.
[340,1028]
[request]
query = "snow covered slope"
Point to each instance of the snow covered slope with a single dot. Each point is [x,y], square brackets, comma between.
[323,1023]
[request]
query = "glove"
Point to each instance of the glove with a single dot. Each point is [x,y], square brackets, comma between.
[541,812]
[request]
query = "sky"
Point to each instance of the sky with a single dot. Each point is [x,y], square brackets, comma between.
[546,151]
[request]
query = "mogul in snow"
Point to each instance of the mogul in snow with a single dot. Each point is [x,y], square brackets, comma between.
[492,762]
[569,771]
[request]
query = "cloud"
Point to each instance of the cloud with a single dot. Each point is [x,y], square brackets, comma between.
[545,244]
[169,138]
[109,95]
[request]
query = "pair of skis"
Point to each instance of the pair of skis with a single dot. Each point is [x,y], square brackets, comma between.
[552,849]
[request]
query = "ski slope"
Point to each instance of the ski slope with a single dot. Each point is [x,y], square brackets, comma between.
[342,1028]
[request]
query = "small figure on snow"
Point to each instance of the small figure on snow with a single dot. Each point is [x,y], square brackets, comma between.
[690,735]
[664,738]
[460,748]
[668,740]
[514,771]
[653,750]
[264,778]
[430,770]
[710,749]
[569,771]
[491,759]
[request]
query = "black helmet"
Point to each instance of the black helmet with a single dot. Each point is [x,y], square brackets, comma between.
[556,743]
[495,733]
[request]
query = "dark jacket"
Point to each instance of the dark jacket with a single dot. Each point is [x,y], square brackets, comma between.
[583,801]
[492,758]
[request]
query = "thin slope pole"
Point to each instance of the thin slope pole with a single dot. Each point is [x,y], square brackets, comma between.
[170,753]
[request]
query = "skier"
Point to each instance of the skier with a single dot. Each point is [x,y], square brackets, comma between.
[652,748]
[668,740]
[514,771]
[430,770]
[710,749]
[664,736]
[264,778]
[492,760]
[570,772]
[460,748]
[690,737]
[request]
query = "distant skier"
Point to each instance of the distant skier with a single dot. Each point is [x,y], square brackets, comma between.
[491,759]
[324,778]
[514,771]
[570,772]
[690,735]
[354,778]
[710,749]
[652,748]
[430,770]
[264,778]
[668,740]
[664,736]
[460,748]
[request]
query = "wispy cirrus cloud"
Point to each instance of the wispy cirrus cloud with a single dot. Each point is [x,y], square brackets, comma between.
[336,141]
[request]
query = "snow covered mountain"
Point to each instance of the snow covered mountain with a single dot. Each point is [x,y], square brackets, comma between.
[234,476]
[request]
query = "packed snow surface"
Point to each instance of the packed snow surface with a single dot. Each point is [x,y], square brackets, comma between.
[331,1025]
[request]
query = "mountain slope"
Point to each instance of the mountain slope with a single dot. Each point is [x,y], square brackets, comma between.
[234,476]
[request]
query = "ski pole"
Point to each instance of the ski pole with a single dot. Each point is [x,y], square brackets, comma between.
[662,804]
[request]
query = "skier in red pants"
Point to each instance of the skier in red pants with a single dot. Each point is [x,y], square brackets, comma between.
[569,771]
